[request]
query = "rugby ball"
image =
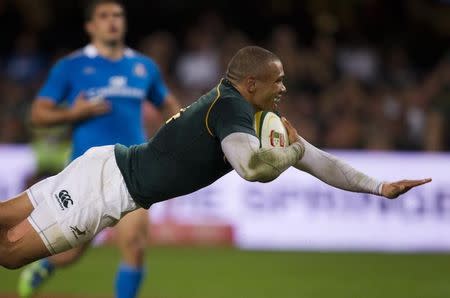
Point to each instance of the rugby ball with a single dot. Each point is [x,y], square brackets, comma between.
[270,130]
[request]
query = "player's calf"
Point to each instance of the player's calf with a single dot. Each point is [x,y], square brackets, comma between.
[132,248]
[133,236]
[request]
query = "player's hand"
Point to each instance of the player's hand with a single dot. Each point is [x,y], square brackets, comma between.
[392,190]
[84,108]
[291,131]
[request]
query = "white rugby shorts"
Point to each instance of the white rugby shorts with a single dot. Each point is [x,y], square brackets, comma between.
[71,207]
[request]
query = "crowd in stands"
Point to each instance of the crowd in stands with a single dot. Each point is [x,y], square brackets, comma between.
[343,93]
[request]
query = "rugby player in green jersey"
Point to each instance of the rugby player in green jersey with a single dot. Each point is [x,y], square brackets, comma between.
[193,149]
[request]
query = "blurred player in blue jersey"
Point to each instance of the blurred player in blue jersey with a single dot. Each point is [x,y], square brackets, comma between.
[104,85]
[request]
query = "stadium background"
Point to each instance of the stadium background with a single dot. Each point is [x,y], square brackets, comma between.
[362,75]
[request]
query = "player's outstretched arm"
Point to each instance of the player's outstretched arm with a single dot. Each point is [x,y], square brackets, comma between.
[337,173]
[258,164]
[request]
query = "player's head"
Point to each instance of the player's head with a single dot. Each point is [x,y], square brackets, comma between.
[105,21]
[260,73]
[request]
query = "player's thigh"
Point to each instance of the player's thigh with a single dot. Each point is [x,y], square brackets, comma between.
[15,210]
[133,229]
[19,242]
[21,245]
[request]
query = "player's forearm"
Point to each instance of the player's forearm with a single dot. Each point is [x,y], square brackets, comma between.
[267,164]
[335,172]
[46,115]
[255,164]
[170,107]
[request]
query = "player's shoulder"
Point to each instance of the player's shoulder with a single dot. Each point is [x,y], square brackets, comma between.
[137,56]
[75,56]
[86,52]
[233,103]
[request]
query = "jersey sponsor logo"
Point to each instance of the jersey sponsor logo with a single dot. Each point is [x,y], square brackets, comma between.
[64,199]
[117,86]
[88,70]
[117,81]
[77,232]
[139,70]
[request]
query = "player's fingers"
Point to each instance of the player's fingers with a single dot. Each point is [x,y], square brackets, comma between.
[290,129]
[81,96]
[101,109]
[100,104]
[413,183]
[98,113]
[99,101]
[426,180]
[286,122]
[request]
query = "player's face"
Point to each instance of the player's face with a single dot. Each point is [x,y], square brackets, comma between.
[107,24]
[270,87]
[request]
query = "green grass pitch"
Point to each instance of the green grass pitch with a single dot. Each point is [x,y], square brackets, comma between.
[230,273]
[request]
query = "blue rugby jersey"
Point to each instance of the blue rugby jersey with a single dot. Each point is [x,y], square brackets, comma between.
[125,83]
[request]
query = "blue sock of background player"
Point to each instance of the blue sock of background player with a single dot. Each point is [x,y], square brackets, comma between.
[128,280]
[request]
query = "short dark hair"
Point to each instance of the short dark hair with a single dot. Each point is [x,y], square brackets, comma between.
[251,60]
[92,5]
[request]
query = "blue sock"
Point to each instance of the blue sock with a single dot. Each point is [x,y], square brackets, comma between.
[47,265]
[128,281]
[38,275]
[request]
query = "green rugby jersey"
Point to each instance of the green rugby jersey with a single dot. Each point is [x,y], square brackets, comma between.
[185,154]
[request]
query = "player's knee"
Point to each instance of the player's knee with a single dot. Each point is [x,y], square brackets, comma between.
[9,259]
[134,240]
[134,243]
[12,263]
[10,255]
